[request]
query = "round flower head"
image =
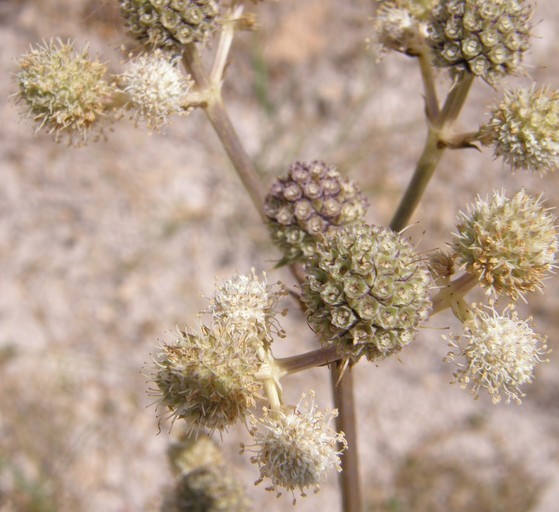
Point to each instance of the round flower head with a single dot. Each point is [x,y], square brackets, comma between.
[485,37]
[508,243]
[366,291]
[524,129]
[209,488]
[208,379]
[312,200]
[170,23]
[401,25]
[63,89]
[500,354]
[295,446]
[248,304]
[155,87]
[191,452]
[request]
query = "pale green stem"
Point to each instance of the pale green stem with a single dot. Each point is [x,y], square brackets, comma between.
[453,292]
[431,101]
[433,150]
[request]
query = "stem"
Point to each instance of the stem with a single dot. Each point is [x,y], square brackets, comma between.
[312,359]
[219,118]
[433,150]
[454,291]
[342,390]
[431,101]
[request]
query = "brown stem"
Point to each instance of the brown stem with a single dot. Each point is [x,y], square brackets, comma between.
[342,390]
[312,359]
[219,118]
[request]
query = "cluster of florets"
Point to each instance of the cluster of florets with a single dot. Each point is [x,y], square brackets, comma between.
[156,89]
[508,243]
[485,37]
[401,25]
[366,291]
[500,354]
[170,23]
[524,129]
[310,202]
[63,89]
[248,304]
[209,379]
[205,483]
[295,446]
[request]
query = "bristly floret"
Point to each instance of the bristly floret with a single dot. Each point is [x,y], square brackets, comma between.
[500,354]
[509,244]
[366,291]
[485,37]
[170,24]
[312,200]
[524,129]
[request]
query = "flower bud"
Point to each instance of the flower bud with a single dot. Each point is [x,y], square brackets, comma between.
[366,291]
[63,89]
[487,38]
[295,446]
[500,354]
[170,24]
[524,129]
[155,87]
[510,244]
[312,200]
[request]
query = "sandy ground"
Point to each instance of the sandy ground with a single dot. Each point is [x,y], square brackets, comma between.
[104,249]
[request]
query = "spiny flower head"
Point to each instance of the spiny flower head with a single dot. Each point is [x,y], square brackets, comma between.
[524,129]
[295,446]
[500,354]
[366,291]
[312,200]
[208,379]
[509,244]
[248,304]
[170,24]
[208,488]
[401,25]
[155,87]
[485,37]
[63,89]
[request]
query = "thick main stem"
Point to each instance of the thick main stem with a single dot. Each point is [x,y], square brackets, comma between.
[342,390]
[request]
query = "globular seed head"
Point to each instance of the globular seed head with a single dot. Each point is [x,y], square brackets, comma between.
[509,244]
[524,129]
[487,38]
[310,201]
[63,90]
[171,24]
[366,291]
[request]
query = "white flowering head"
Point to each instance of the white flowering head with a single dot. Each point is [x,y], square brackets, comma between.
[510,244]
[155,87]
[248,304]
[500,354]
[208,379]
[64,90]
[400,25]
[524,129]
[295,446]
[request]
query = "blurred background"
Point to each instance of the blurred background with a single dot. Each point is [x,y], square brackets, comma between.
[105,249]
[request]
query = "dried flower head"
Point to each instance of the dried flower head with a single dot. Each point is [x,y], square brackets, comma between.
[500,354]
[366,291]
[208,379]
[524,129]
[401,25]
[509,244]
[190,452]
[295,446]
[170,24]
[155,87]
[485,37]
[312,200]
[208,488]
[248,304]
[63,89]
